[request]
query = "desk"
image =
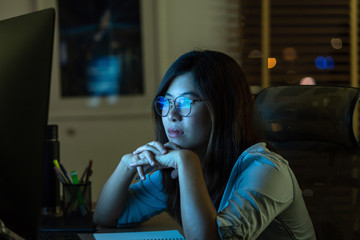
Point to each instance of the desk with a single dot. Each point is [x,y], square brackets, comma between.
[160,222]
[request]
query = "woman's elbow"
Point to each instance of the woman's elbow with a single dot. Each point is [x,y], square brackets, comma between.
[103,221]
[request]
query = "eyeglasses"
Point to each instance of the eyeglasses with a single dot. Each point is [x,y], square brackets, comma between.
[182,105]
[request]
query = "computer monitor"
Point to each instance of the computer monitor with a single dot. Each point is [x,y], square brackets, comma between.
[26,46]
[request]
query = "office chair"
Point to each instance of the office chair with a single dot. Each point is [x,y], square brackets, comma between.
[313,128]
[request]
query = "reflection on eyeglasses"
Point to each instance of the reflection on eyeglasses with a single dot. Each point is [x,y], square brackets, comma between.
[182,105]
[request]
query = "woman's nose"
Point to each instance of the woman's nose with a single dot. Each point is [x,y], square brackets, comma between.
[173,115]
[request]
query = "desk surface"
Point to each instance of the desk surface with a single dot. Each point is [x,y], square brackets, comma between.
[160,222]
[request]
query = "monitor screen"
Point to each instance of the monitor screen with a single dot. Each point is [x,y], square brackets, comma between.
[26,46]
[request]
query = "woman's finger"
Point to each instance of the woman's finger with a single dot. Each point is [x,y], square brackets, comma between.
[141,173]
[171,146]
[148,170]
[145,148]
[130,159]
[149,156]
[154,146]
[140,162]
[158,145]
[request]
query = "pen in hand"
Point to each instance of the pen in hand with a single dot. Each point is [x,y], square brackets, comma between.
[149,170]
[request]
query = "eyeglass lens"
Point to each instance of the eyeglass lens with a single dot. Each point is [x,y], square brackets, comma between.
[182,106]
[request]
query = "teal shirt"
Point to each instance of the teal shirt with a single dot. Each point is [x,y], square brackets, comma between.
[262,200]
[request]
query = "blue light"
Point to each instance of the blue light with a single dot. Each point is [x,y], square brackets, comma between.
[330,63]
[320,62]
[325,63]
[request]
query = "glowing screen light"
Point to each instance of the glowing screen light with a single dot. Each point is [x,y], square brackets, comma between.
[323,63]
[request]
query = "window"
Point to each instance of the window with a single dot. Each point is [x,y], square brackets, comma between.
[304,42]
[310,42]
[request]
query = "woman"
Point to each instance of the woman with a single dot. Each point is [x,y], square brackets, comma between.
[216,178]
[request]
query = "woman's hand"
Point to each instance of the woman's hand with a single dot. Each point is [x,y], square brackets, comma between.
[148,156]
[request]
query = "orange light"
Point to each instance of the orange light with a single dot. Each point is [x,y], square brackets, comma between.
[271,62]
[276,127]
[289,54]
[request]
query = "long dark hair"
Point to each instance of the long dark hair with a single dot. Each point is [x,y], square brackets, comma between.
[219,79]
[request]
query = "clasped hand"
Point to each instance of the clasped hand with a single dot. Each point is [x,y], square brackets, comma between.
[155,154]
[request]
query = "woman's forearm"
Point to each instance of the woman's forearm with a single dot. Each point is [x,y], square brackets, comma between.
[197,210]
[112,199]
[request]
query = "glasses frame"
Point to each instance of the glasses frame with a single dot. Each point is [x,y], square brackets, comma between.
[172,104]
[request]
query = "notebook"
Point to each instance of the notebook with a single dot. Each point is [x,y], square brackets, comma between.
[152,235]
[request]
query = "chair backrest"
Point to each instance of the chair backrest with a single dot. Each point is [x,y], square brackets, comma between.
[313,128]
[308,114]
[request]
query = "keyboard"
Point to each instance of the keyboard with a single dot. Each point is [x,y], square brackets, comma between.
[55,235]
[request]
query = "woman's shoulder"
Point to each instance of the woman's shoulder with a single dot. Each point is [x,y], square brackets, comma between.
[258,148]
[260,153]
[261,171]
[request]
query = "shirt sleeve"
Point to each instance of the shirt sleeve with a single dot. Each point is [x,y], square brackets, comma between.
[146,199]
[260,192]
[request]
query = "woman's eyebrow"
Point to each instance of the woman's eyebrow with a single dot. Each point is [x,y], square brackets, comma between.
[193,94]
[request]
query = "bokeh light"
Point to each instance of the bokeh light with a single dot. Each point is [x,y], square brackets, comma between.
[255,54]
[289,54]
[276,127]
[323,63]
[330,64]
[271,62]
[320,62]
[307,81]
[336,43]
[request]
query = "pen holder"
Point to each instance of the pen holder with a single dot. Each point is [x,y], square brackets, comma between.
[77,199]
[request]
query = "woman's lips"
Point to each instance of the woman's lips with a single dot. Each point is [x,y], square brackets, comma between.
[175,132]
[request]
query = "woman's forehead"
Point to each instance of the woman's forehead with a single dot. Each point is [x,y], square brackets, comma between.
[182,85]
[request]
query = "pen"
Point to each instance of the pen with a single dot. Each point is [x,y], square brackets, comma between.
[87,184]
[56,163]
[74,177]
[79,195]
[58,175]
[88,172]
[65,173]
[148,170]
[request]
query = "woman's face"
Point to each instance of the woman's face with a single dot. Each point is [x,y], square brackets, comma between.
[193,131]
